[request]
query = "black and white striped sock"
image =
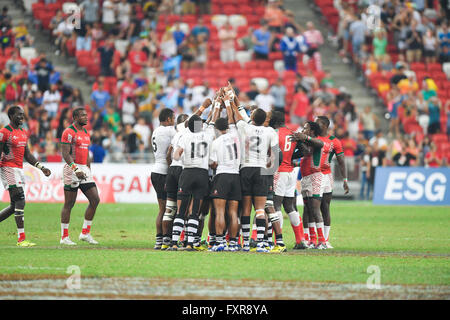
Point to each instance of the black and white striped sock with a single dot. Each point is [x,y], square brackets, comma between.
[159,239]
[245,225]
[178,225]
[260,229]
[192,230]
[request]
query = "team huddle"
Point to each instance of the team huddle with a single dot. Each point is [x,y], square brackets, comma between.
[232,163]
[225,166]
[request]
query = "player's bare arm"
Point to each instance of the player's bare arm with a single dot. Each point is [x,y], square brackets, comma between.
[65,151]
[169,155]
[34,162]
[177,154]
[300,136]
[341,163]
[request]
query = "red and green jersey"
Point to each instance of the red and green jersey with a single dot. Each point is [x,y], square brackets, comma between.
[15,141]
[335,148]
[314,160]
[79,141]
[287,147]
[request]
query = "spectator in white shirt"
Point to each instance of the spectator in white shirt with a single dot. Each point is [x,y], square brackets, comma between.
[109,9]
[143,131]
[227,36]
[124,12]
[265,100]
[51,101]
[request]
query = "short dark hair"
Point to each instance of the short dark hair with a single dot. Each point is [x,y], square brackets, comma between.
[12,111]
[221,124]
[277,119]
[259,116]
[194,122]
[165,114]
[324,120]
[182,118]
[315,128]
[76,112]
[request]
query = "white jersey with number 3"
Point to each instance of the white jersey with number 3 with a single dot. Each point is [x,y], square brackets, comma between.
[161,138]
[226,151]
[256,141]
[196,148]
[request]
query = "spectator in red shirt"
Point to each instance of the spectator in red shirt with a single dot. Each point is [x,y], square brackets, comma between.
[137,58]
[349,145]
[300,107]
[432,158]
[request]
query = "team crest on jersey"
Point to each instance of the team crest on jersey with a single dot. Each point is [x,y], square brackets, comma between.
[69,137]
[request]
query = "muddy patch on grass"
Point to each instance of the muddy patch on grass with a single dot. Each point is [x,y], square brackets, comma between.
[49,287]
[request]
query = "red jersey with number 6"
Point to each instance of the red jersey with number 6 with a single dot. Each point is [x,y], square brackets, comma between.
[15,141]
[79,141]
[335,148]
[287,147]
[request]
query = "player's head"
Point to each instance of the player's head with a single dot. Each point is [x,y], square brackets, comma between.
[180,121]
[312,129]
[259,116]
[323,122]
[276,120]
[167,117]
[195,123]
[16,115]
[79,115]
[221,124]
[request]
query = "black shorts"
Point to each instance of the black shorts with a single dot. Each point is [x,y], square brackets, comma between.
[226,186]
[159,182]
[253,183]
[195,182]
[270,192]
[172,178]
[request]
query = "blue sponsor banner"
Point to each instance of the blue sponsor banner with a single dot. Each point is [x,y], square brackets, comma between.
[412,186]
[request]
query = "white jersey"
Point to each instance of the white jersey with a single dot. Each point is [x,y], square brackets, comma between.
[161,139]
[255,144]
[226,151]
[174,144]
[196,148]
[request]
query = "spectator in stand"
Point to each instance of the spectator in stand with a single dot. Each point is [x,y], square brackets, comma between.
[289,22]
[131,139]
[379,44]
[430,45]
[434,112]
[188,51]
[9,90]
[89,11]
[109,10]
[407,155]
[327,81]
[106,57]
[202,51]
[300,107]
[188,7]
[84,39]
[143,131]
[349,146]
[100,99]
[246,41]
[62,33]
[274,16]
[124,13]
[358,32]
[315,40]
[5,18]
[379,140]
[76,100]
[22,36]
[432,159]
[168,45]
[112,119]
[97,32]
[365,172]
[137,58]
[290,48]
[413,43]
[278,91]
[227,35]
[14,64]
[178,34]
[262,41]
[253,92]
[386,64]
[369,122]
[200,29]
[204,6]
[51,101]
[265,100]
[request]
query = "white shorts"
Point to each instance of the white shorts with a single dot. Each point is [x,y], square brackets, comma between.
[70,179]
[328,183]
[312,185]
[12,177]
[284,184]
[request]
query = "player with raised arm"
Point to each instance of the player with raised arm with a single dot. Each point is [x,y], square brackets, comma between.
[335,149]
[161,139]
[193,148]
[226,190]
[13,149]
[285,178]
[171,185]
[312,177]
[257,144]
[75,142]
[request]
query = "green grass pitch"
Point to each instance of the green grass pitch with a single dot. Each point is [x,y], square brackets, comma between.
[410,245]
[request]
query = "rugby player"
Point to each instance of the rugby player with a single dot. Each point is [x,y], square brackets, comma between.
[312,177]
[75,142]
[335,149]
[13,149]
[161,139]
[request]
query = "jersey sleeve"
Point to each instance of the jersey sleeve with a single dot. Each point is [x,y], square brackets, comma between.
[213,152]
[338,147]
[4,134]
[67,136]
[273,138]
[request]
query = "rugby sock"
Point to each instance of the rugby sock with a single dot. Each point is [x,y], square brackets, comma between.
[212,239]
[326,232]
[245,220]
[219,240]
[306,233]
[280,241]
[269,232]
[86,227]
[192,229]
[159,239]
[232,242]
[64,230]
[20,234]
[296,223]
[280,215]
[312,232]
[260,225]
[319,226]
[166,239]
[177,229]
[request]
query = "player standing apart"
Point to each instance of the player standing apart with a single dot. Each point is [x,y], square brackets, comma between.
[335,149]
[161,138]
[13,149]
[75,142]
